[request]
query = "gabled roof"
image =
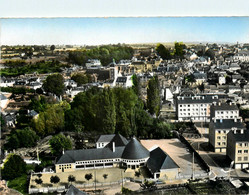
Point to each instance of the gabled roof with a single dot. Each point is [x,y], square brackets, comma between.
[119,140]
[74,191]
[106,138]
[72,156]
[135,150]
[160,160]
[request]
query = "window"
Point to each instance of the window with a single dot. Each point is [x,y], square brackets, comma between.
[246,151]
[240,144]
[239,158]
[219,131]
[246,144]
[188,105]
[223,143]
[240,151]
[218,137]
[245,158]
[218,143]
[224,137]
[180,105]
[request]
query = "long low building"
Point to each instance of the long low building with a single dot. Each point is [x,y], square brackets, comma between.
[118,153]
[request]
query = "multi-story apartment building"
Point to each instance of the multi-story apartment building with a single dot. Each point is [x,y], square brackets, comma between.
[218,130]
[224,111]
[194,108]
[238,148]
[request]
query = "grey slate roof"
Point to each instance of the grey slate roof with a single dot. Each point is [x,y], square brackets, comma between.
[239,137]
[106,138]
[3,97]
[121,79]
[119,140]
[160,160]
[135,150]
[189,100]
[228,124]
[224,106]
[72,156]
[74,191]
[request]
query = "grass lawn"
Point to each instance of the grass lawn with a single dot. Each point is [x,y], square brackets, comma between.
[20,184]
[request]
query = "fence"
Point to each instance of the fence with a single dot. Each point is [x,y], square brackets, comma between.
[203,163]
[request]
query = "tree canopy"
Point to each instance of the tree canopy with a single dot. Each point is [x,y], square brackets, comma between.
[163,52]
[153,96]
[52,120]
[106,54]
[54,84]
[13,167]
[22,138]
[58,143]
[81,78]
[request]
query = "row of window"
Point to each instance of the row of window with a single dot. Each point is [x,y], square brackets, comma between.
[193,109]
[194,105]
[68,166]
[223,137]
[245,158]
[189,114]
[222,112]
[223,143]
[240,151]
[133,161]
[226,117]
[243,144]
[97,161]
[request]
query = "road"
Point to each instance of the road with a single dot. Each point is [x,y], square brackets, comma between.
[208,156]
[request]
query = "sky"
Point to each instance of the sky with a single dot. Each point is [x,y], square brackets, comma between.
[96,31]
[117,8]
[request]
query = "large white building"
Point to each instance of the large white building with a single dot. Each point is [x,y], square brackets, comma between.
[224,111]
[194,108]
[242,56]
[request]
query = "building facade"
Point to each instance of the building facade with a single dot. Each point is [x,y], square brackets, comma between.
[218,130]
[238,148]
[194,108]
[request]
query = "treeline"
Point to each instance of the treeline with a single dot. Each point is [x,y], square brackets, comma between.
[106,54]
[167,54]
[21,68]
[100,111]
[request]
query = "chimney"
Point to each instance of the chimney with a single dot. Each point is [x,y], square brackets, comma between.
[113,146]
[221,120]
[242,131]
[230,103]
[219,103]
[63,151]
[235,120]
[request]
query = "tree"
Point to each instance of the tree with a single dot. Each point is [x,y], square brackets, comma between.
[54,84]
[71,178]
[38,181]
[210,53]
[136,85]
[163,51]
[88,176]
[153,96]
[58,143]
[105,176]
[81,78]
[179,49]
[22,138]
[54,179]
[52,120]
[52,48]
[13,167]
